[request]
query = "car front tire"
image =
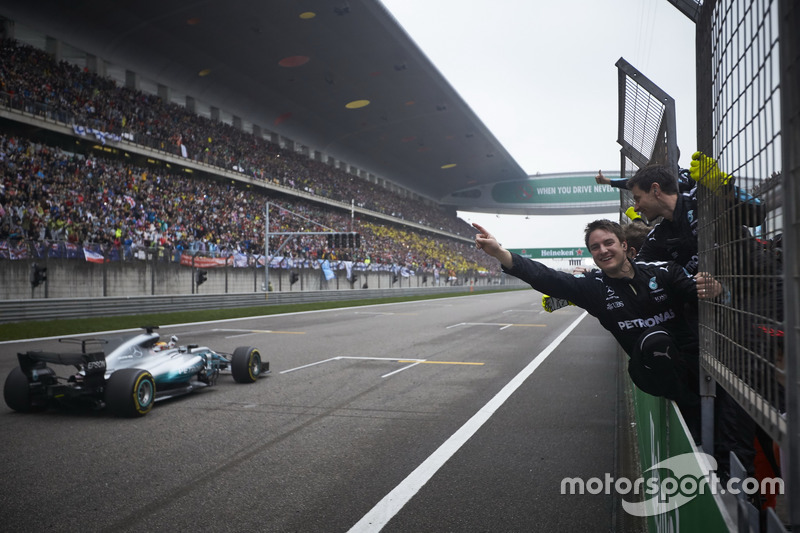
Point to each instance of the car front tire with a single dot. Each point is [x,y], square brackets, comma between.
[246,364]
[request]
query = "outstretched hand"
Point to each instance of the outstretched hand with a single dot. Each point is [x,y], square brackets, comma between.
[602,180]
[484,240]
[488,243]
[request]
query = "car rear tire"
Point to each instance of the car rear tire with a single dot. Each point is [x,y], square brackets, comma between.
[17,392]
[246,364]
[130,392]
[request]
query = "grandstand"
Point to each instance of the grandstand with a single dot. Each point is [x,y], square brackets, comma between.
[74,193]
[118,122]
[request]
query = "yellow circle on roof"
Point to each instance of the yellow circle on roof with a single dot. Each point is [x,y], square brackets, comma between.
[308,15]
[357,104]
[449,165]
[204,72]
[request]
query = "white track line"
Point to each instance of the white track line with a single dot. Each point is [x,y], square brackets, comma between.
[340,357]
[391,504]
[401,369]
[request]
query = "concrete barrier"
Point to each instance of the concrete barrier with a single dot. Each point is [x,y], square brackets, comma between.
[77,290]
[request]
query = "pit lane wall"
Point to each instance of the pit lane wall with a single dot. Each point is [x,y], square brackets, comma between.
[663,439]
[78,291]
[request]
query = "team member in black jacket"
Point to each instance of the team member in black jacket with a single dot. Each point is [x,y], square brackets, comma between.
[656,195]
[641,304]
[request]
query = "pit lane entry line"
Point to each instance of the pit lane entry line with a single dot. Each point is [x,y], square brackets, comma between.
[390,505]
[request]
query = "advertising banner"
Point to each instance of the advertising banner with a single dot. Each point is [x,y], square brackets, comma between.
[552,253]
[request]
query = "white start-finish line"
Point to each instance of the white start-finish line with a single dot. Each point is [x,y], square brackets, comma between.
[391,504]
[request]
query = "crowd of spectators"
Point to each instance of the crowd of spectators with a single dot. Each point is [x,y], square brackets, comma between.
[49,195]
[32,80]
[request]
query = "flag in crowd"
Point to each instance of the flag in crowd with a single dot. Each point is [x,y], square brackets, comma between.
[100,135]
[326,269]
[93,257]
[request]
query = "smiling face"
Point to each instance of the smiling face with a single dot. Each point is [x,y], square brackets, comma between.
[608,252]
[646,203]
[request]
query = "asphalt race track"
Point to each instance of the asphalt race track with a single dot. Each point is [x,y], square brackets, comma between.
[346,432]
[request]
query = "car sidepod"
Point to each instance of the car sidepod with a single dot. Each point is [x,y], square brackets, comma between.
[176,368]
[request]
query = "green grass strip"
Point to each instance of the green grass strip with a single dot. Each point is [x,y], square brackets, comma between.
[55,328]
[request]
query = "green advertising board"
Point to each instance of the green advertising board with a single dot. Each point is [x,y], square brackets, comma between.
[552,253]
[564,193]
[664,441]
[572,189]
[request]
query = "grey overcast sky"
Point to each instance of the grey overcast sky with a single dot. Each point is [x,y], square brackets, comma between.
[541,76]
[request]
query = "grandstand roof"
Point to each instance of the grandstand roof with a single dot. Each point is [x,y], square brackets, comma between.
[292,67]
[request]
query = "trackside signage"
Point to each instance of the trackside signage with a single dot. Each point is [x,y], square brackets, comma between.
[568,189]
[563,193]
[551,253]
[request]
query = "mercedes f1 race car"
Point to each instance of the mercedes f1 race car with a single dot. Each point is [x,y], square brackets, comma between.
[126,375]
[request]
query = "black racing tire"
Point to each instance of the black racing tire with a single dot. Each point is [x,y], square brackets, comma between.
[130,392]
[17,392]
[246,364]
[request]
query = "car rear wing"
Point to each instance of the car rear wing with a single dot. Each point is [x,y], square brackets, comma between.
[92,363]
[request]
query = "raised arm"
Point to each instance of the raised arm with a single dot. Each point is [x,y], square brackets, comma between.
[485,241]
[620,183]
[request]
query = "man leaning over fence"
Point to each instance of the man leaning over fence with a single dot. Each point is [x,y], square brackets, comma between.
[641,304]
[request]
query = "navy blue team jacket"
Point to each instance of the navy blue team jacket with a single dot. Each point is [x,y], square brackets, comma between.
[656,295]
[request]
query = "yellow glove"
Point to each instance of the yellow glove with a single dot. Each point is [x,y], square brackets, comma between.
[704,170]
[631,214]
[551,304]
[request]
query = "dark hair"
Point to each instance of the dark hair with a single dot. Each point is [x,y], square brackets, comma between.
[606,225]
[636,233]
[645,177]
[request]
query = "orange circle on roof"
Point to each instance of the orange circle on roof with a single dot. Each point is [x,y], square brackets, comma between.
[308,15]
[193,21]
[357,104]
[294,61]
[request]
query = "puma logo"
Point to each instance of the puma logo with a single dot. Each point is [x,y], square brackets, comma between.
[662,354]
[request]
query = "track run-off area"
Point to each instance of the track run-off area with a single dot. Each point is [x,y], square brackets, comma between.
[457,414]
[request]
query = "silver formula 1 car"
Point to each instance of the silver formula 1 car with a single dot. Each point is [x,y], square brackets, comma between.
[126,375]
